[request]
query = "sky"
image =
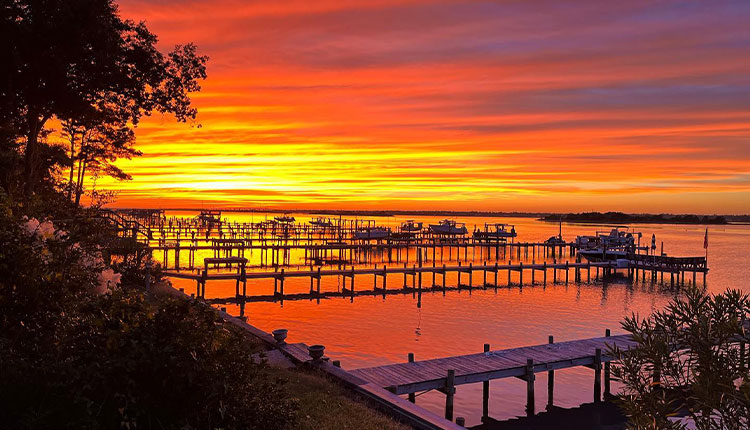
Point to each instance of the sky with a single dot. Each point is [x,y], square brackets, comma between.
[640,106]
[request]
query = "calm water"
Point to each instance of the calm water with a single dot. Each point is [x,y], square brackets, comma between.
[376,330]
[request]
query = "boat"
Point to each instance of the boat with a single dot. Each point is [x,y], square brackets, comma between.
[496,231]
[448,227]
[284,219]
[372,233]
[616,244]
[209,217]
[411,226]
[321,222]
[555,240]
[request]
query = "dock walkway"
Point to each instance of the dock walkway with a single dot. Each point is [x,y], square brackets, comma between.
[444,374]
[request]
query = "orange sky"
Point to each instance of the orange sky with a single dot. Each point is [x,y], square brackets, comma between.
[511,105]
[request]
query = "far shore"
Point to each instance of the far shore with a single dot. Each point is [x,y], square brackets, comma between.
[610,218]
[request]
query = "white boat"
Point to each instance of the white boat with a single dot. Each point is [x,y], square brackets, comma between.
[448,227]
[496,231]
[209,217]
[411,226]
[372,233]
[613,245]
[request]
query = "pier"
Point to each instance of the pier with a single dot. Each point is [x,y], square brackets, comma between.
[412,277]
[445,374]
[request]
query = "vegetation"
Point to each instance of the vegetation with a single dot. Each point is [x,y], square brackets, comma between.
[688,368]
[623,218]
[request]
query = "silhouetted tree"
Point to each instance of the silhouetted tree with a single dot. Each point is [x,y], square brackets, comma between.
[80,62]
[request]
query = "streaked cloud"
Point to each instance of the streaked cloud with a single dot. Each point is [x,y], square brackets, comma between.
[510,105]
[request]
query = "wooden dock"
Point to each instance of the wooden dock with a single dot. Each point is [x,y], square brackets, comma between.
[466,274]
[444,374]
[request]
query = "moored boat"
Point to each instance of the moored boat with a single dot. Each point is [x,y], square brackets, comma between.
[321,222]
[496,231]
[209,217]
[284,219]
[372,233]
[411,226]
[617,244]
[448,227]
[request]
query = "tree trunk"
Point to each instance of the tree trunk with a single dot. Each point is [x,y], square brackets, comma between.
[34,124]
[81,176]
[72,165]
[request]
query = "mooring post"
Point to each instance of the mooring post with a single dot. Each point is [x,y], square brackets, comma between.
[509,264]
[450,390]
[551,382]
[412,396]
[607,371]
[598,375]
[484,275]
[443,275]
[318,281]
[486,392]
[529,387]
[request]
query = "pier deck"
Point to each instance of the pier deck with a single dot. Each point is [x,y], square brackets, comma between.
[405,378]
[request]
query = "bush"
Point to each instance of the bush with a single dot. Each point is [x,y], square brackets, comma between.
[77,353]
[688,362]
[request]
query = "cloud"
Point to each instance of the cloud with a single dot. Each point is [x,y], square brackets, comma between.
[365,102]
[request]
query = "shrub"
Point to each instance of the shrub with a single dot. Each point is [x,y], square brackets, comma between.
[688,362]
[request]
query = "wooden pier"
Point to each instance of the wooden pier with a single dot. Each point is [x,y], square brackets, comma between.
[444,374]
[466,274]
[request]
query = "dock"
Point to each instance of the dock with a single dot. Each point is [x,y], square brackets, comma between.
[444,374]
[412,276]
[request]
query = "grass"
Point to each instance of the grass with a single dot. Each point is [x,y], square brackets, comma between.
[324,405]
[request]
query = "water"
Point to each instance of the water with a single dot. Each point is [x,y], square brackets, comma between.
[377,330]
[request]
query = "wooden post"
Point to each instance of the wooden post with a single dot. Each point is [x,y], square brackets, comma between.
[318,281]
[529,387]
[545,271]
[509,272]
[412,396]
[551,382]
[598,376]
[486,392]
[607,371]
[450,390]
[520,273]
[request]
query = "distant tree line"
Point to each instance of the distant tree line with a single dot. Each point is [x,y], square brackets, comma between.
[623,218]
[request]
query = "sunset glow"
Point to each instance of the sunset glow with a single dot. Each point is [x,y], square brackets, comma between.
[530,106]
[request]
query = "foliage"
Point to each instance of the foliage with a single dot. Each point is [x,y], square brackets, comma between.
[73,358]
[688,362]
[80,62]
